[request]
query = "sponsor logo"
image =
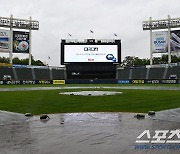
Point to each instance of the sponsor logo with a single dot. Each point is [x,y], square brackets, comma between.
[28,82]
[137,81]
[44,82]
[13,82]
[153,81]
[168,81]
[90,48]
[111,57]
[58,81]
[3,34]
[89,59]
[123,81]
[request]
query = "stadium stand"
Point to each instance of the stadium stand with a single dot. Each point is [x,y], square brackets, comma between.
[139,73]
[42,73]
[173,72]
[24,73]
[123,73]
[58,74]
[31,73]
[156,73]
[6,71]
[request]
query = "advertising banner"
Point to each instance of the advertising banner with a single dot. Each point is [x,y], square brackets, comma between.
[175,41]
[124,81]
[15,82]
[4,40]
[20,42]
[160,42]
[58,81]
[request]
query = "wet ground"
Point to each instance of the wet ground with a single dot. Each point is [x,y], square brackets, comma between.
[91,93]
[93,87]
[82,133]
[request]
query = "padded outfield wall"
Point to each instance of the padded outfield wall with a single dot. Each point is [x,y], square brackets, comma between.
[126,75]
[148,73]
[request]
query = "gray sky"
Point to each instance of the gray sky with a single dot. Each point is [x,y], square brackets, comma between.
[59,17]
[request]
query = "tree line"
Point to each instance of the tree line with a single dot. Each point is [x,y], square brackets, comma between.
[16,60]
[128,61]
[136,61]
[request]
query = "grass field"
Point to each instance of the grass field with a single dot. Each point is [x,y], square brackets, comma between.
[49,101]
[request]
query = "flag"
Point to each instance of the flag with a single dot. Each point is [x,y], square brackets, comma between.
[115,34]
[91,31]
[69,34]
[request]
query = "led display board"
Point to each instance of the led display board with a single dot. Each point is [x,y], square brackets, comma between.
[90,53]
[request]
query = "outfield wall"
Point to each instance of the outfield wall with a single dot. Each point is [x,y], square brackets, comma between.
[148,73]
[62,82]
[46,73]
[33,73]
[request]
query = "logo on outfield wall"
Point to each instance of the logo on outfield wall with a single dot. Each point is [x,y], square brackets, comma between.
[123,81]
[58,81]
[138,81]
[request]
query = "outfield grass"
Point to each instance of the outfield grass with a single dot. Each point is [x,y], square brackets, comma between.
[39,102]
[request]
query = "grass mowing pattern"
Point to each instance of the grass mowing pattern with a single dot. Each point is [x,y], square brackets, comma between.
[39,102]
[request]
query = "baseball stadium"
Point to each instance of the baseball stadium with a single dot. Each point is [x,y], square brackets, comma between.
[91,104]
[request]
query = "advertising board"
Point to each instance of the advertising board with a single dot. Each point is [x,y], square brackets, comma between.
[4,40]
[160,42]
[91,53]
[175,40]
[20,42]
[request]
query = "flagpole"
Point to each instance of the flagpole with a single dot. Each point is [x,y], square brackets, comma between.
[49,58]
[91,32]
[69,36]
[115,36]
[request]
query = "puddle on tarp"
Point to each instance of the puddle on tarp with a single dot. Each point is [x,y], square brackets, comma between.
[77,133]
[169,115]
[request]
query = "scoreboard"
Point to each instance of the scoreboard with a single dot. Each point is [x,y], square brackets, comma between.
[90,51]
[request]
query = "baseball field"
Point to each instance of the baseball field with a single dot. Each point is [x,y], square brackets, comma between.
[134,98]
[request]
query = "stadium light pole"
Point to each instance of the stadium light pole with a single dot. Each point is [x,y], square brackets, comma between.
[167,24]
[11,39]
[169,43]
[19,24]
[30,45]
[151,52]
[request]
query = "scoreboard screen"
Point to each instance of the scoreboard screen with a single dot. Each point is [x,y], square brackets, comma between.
[90,53]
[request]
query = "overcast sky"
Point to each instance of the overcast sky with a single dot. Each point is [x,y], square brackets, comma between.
[57,18]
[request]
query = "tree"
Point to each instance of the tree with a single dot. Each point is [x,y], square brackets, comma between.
[38,63]
[128,61]
[164,59]
[4,60]
[135,61]
[18,61]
